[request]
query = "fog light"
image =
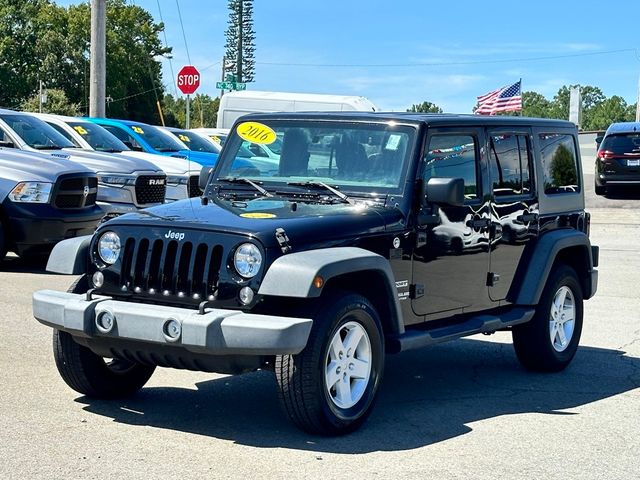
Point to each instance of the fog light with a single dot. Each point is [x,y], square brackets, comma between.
[246,295]
[98,279]
[172,330]
[105,321]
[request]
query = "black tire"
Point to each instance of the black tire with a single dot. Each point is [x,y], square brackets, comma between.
[532,341]
[91,374]
[302,384]
[600,189]
[3,243]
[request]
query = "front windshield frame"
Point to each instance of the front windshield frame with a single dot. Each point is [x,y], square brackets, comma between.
[99,138]
[158,139]
[50,138]
[388,135]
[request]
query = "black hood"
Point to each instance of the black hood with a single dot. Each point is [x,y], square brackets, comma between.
[304,223]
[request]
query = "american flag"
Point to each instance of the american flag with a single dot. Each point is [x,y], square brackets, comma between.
[505,99]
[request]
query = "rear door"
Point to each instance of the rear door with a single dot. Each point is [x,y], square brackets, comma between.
[514,208]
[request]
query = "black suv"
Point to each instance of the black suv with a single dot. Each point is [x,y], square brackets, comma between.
[372,233]
[618,160]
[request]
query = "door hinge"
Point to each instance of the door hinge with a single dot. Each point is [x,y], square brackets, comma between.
[283,240]
[492,279]
[416,290]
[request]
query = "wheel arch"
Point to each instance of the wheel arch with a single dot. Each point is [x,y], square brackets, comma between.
[70,256]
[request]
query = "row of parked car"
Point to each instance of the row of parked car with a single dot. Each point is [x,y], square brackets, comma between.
[60,176]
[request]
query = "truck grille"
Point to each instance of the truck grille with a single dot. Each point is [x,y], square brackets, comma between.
[150,189]
[193,186]
[75,192]
[170,268]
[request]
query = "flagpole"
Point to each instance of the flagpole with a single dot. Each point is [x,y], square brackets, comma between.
[521,99]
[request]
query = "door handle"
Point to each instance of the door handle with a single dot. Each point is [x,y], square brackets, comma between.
[479,223]
[527,218]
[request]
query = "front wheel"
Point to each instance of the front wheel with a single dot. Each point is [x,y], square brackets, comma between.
[329,388]
[550,340]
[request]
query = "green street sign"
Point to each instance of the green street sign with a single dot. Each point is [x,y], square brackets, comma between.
[231,86]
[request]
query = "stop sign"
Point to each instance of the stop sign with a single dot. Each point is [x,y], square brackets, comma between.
[188,79]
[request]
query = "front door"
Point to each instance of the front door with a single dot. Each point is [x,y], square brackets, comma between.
[451,258]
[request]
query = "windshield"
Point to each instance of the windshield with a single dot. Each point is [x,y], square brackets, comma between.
[99,138]
[358,157]
[195,142]
[157,139]
[623,144]
[36,133]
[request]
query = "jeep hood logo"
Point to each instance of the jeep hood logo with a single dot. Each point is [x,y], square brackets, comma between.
[175,235]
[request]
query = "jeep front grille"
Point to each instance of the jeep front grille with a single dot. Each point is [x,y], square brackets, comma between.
[75,192]
[150,189]
[170,268]
[193,186]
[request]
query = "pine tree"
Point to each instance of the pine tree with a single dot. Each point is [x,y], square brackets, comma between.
[240,46]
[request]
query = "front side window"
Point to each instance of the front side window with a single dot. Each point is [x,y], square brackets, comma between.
[159,140]
[195,142]
[559,163]
[509,159]
[123,136]
[98,137]
[353,156]
[453,156]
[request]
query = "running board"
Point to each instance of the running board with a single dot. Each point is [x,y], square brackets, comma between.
[480,324]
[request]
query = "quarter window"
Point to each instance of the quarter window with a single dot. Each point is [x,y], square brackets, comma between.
[453,156]
[510,160]
[559,163]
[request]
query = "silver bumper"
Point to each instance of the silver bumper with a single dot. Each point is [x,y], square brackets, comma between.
[217,332]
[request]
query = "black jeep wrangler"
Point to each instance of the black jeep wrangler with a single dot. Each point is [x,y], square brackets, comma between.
[366,234]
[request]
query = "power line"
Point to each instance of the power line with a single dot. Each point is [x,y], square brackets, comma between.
[166,43]
[184,37]
[442,64]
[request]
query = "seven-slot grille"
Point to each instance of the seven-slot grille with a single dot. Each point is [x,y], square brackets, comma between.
[76,192]
[170,268]
[193,186]
[150,189]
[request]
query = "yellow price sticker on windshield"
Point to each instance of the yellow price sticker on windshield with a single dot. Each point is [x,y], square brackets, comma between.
[257,215]
[184,138]
[256,132]
[137,129]
[80,130]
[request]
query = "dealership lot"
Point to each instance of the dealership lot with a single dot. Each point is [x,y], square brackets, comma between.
[460,410]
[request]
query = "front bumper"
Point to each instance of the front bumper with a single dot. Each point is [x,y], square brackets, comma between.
[216,332]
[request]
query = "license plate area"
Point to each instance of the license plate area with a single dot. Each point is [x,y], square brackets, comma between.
[635,162]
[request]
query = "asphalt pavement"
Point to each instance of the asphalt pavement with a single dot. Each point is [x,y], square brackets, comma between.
[462,410]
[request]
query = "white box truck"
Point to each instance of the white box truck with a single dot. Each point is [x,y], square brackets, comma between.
[236,104]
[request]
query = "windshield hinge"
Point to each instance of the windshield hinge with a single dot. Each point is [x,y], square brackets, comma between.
[283,240]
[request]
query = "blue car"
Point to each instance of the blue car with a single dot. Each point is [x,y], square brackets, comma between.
[148,138]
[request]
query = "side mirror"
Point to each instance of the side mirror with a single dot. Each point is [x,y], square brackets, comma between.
[7,144]
[204,177]
[445,191]
[599,140]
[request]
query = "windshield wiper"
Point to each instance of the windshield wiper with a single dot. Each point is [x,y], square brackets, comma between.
[335,191]
[248,182]
[50,147]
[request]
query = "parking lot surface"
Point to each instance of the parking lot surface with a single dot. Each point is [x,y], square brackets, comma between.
[465,409]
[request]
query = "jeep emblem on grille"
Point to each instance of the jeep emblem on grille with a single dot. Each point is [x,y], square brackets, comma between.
[175,235]
[156,181]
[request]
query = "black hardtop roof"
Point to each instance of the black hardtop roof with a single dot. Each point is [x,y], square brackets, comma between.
[430,119]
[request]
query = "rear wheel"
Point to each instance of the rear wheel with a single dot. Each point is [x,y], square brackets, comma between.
[549,342]
[329,388]
[91,374]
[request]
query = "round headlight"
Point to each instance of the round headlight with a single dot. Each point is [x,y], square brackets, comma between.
[247,260]
[109,247]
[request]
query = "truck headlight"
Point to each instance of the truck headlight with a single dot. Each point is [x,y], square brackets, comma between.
[31,192]
[117,180]
[175,180]
[247,260]
[109,247]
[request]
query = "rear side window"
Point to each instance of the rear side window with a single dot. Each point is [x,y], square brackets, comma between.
[453,156]
[622,144]
[510,161]
[559,163]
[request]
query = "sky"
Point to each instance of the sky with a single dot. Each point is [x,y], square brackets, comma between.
[403,52]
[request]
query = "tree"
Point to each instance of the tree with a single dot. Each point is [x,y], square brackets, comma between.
[614,109]
[57,102]
[240,46]
[563,169]
[425,107]
[590,97]
[204,111]
[535,105]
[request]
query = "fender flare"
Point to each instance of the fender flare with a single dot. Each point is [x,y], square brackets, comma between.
[292,275]
[70,256]
[534,271]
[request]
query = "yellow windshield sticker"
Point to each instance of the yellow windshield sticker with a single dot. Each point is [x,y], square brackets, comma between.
[137,129]
[184,138]
[256,132]
[214,138]
[80,130]
[257,215]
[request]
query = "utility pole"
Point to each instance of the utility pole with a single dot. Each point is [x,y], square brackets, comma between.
[98,72]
